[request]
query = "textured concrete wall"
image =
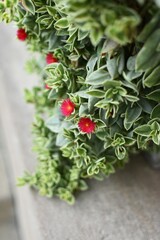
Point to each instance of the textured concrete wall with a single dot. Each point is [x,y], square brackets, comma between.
[125,206]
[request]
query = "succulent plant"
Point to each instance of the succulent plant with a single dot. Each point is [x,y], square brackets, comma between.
[98,99]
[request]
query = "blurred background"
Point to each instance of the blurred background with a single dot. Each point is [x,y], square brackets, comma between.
[15,116]
[8,219]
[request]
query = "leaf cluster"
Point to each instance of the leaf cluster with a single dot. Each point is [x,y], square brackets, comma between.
[108,65]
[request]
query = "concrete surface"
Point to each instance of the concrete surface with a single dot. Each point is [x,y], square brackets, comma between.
[124,207]
[8,223]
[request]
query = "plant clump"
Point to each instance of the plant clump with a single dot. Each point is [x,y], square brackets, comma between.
[98,98]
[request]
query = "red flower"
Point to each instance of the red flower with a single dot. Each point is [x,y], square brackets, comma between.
[50,58]
[86,125]
[47,87]
[67,107]
[21,34]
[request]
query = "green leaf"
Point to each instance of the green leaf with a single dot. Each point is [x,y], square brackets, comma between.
[120,152]
[96,93]
[83,109]
[156,112]
[82,35]
[141,142]
[112,84]
[28,4]
[95,35]
[131,63]
[82,94]
[60,139]
[121,61]
[66,195]
[81,151]
[143,130]
[148,57]
[98,77]
[100,124]
[101,135]
[145,105]
[110,169]
[53,41]
[149,28]
[131,115]
[112,67]
[131,98]
[109,46]
[2,6]
[62,23]
[129,141]
[91,102]
[51,10]
[122,27]
[130,85]
[91,64]
[155,126]
[156,139]
[83,185]
[155,95]
[153,79]
[41,10]
[131,75]
[54,124]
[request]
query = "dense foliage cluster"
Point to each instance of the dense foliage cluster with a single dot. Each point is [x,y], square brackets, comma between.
[99,95]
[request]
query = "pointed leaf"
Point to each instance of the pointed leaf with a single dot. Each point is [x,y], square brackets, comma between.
[156,112]
[148,57]
[153,79]
[155,95]
[143,130]
[96,93]
[131,115]
[28,4]
[149,28]
[98,77]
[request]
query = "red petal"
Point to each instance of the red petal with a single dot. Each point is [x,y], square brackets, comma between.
[50,58]
[47,87]
[67,107]
[21,34]
[86,125]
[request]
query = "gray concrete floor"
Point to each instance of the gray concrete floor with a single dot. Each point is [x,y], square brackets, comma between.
[8,223]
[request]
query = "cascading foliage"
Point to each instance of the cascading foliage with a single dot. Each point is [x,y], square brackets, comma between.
[98,99]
